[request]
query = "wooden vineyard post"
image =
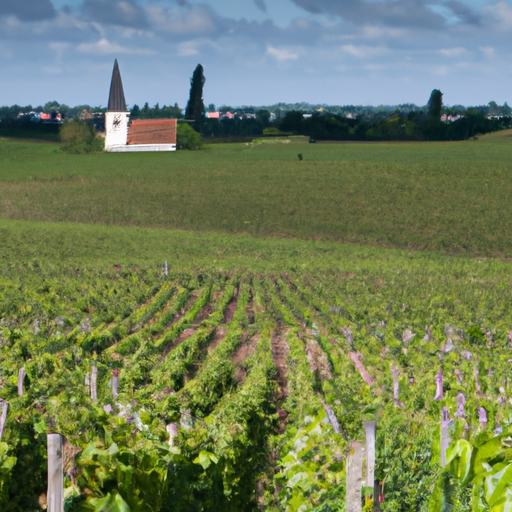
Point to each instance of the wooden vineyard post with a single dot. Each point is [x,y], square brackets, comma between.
[21,378]
[354,478]
[55,494]
[396,387]
[166,269]
[482,418]
[439,385]
[115,383]
[94,376]
[445,440]
[172,430]
[369,427]
[3,418]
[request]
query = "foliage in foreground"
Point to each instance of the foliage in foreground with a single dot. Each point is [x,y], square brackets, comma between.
[248,390]
[79,137]
[187,137]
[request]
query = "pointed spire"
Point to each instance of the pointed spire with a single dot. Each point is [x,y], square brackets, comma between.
[116,101]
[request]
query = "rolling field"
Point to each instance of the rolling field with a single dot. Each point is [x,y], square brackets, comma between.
[448,197]
[240,379]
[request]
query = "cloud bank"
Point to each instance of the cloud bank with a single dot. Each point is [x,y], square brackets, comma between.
[332,51]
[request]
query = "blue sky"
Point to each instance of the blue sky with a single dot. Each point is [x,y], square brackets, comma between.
[257,52]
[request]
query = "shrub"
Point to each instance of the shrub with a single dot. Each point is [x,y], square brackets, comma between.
[187,137]
[79,138]
[272,130]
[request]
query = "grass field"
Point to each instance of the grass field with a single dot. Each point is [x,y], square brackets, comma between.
[448,197]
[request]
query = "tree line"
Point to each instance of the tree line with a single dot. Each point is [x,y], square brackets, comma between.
[319,122]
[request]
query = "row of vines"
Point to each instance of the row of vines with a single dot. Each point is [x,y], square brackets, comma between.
[233,391]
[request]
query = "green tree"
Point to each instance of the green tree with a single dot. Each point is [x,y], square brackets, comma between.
[80,137]
[135,111]
[263,116]
[187,137]
[292,122]
[435,104]
[195,105]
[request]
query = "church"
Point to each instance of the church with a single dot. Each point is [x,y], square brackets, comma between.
[123,135]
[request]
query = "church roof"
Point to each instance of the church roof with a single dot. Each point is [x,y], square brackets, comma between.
[152,131]
[116,101]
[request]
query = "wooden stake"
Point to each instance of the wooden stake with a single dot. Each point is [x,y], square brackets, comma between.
[21,378]
[5,407]
[115,383]
[396,387]
[94,376]
[360,367]
[55,494]
[354,478]
[369,426]
[482,418]
[439,385]
[461,401]
[331,417]
[172,430]
[445,440]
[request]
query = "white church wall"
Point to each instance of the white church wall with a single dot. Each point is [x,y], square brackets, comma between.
[116,129]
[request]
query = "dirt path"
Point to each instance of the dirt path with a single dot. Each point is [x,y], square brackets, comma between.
[245,350]
[229,312]
[178,341]
[181,313]
[205,312]
[220,334]
[280,350]
[317,359]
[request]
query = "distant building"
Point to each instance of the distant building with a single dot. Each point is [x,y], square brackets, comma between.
[121,136]
[44,117]
[213,115]
[450,119]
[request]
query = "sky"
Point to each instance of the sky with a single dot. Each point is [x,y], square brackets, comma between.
[257,52]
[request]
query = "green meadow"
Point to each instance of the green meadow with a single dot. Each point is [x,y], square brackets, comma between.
[448,197]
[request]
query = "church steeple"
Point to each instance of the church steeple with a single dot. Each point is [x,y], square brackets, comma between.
[116,101]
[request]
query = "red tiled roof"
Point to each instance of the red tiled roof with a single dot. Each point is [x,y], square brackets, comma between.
[152,131]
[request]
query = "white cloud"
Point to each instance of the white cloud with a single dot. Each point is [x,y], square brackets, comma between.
[499,16]
[453,52]
[193,47]
[198,20]
[440,70]
[374,32]
[362,51]
[281,55]
[488,51]
[105,47]
[188,48]
[58,48]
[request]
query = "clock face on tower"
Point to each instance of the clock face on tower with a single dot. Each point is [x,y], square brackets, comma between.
[116,122]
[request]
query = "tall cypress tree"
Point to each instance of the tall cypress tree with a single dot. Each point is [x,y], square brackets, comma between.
[435,104]
[195,105]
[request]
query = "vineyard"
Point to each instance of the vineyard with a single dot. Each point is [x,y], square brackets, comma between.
[231,390]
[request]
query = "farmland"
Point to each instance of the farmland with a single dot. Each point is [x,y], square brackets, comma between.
[448,197]
[238,379]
